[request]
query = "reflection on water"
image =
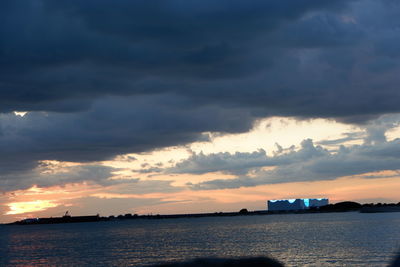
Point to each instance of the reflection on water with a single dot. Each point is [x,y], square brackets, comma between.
[335,239]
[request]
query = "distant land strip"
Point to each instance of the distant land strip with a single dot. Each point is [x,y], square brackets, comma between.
[337,207]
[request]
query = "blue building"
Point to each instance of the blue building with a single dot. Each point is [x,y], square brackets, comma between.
[296,204]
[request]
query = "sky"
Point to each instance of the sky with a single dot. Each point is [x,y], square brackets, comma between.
[182,106]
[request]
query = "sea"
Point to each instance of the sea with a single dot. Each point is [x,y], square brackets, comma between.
[325,239]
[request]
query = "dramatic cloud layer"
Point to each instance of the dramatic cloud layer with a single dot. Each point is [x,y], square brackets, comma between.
[372,157]
[309,58]
[43,176]
[310,163]
[101,78]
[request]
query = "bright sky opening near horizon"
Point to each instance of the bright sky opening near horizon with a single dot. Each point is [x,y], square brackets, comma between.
[183,106]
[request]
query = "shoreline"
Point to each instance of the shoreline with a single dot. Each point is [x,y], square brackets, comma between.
[346,206]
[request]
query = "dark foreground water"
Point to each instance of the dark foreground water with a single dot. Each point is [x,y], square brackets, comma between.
[335,239]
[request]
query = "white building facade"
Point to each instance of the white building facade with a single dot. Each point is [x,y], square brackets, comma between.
[296,204]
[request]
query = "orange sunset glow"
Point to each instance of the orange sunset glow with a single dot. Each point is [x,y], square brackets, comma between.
[29,207]
[38,201]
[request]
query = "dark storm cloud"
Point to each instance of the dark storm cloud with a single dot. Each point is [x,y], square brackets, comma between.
[112,77]
[308,163]
[44,177]
[243,162]
[58,55]
[312,163]
[306,58]
[224,162]
[114,126]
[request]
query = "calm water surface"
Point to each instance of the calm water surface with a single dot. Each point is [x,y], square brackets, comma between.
[335,239]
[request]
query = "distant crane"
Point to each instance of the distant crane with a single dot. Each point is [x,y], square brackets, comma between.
[67,214]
